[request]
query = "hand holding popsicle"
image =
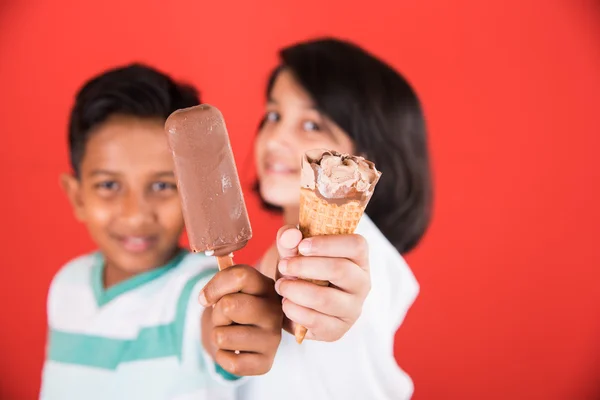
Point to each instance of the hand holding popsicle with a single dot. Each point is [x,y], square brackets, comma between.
[242,329]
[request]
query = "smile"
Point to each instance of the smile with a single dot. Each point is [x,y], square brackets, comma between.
[137,244]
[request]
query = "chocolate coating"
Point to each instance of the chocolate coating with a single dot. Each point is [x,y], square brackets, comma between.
[213,204]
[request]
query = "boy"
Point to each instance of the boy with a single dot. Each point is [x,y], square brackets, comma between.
[124,322]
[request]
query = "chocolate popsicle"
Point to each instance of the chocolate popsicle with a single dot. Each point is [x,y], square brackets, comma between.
[212,200]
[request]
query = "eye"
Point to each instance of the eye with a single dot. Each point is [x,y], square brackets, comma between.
[272,116]
[310,126]
[163,186]
[108,186]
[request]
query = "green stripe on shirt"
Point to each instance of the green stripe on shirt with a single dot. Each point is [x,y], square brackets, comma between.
[101,352]
[104,296]
[108,353]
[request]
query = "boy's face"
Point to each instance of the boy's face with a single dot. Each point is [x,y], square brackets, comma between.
[127,194]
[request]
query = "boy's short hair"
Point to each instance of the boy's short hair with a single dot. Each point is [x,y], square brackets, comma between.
[134,90]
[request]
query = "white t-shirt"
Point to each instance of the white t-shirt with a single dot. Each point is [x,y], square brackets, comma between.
[361,365]
[139,339]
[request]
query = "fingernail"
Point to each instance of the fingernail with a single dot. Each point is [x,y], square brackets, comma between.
[283,266]
[305,246]
[202,299]
[286,239]
[277,284]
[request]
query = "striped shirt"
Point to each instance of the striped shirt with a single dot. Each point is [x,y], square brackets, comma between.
[139,339]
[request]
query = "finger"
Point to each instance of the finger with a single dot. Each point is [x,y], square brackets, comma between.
[287,241]
[320,326]
[245,309]
[352,247]
[245,338]
[239,278]
[324,299]
[341,272]
[288,238]
[243,364]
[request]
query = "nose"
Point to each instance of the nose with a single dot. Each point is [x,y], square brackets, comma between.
[278,137]
[136,209]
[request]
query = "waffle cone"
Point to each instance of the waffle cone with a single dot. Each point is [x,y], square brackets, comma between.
[320,217]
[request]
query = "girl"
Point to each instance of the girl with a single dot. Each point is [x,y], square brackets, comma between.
[332,94]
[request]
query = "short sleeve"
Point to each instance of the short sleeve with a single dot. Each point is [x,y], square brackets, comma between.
[394,287]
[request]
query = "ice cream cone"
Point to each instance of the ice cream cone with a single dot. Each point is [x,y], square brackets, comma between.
[336,215]
[319,217]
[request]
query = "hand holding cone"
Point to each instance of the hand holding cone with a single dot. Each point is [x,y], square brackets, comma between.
[335,190]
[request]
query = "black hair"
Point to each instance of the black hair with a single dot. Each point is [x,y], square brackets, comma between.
[134,90]
[382,114]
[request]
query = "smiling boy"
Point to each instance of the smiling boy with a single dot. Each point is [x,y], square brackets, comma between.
[124,321]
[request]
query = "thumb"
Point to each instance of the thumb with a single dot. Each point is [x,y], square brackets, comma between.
[288,238]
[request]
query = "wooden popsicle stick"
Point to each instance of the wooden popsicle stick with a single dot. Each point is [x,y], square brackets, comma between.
[225,261]
[300,333]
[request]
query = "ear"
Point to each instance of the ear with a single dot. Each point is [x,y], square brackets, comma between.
[72,188]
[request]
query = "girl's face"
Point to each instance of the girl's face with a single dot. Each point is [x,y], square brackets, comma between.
[292,126]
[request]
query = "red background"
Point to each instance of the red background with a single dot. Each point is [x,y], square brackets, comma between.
[509,306]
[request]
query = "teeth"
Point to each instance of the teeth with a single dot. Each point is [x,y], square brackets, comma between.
[136,240]
[137,243]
